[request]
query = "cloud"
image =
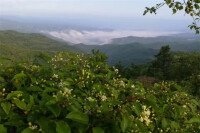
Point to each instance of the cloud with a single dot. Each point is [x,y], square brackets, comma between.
[101,37]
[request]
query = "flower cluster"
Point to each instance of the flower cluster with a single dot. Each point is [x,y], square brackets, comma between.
[145,116]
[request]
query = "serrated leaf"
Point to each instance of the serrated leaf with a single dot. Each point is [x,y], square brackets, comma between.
[78,117]
[62,127]
[97,130]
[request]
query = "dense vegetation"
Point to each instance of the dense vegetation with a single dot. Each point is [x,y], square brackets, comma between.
[81,93]
[180,67]
[133,52]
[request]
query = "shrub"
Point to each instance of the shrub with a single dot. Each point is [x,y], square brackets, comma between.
[81,93]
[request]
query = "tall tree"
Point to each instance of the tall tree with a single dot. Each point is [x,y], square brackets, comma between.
[162,63]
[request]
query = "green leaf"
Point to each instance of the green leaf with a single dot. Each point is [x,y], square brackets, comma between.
[6,107]
[31,102]
[13,94]
[97,130]
[164,123]
[2,79]
[15,123]
[46,125]
[125,123]
[142,127]
[137,108]
[28,130]
[78,117]
[55,109]
[197,31]
[175,125]
[20,104]
[3,129]
[34,88]
[194,120]
[168,1]
[19,80]
[197,1]
[151,101]
[62,127]
[174,11]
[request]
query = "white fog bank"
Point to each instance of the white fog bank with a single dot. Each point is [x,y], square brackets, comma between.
[102,37]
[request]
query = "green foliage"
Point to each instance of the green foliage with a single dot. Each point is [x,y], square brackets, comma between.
[180,67]
[190,7]
[82,94]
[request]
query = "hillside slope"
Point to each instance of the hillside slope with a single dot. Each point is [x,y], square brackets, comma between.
[34,42]
[127,53]
[22,46]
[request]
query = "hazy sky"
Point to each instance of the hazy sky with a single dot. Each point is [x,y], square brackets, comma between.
[113,14]
[105,8]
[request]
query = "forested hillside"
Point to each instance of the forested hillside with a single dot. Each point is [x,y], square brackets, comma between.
[23,46]
[177,42]
[181,67]
[139,50]
[127,53]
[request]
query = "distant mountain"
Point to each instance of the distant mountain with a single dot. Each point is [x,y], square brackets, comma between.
[17,45]
[38,25]
[177,42]
[139,50]
[127,53]
[129,50]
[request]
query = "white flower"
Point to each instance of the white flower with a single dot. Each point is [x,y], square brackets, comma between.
[103,97]
[148,122]
[55,76]
[184,106]
[141,119]
[133,86]
[144,107]
[66,90]
[122,84]
[147,112]
[90,99]
[61,84]
[34,127]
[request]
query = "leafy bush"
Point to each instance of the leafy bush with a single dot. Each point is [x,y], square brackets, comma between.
[81,93]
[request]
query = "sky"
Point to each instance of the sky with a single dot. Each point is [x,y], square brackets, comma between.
[124,16]
[100,8]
